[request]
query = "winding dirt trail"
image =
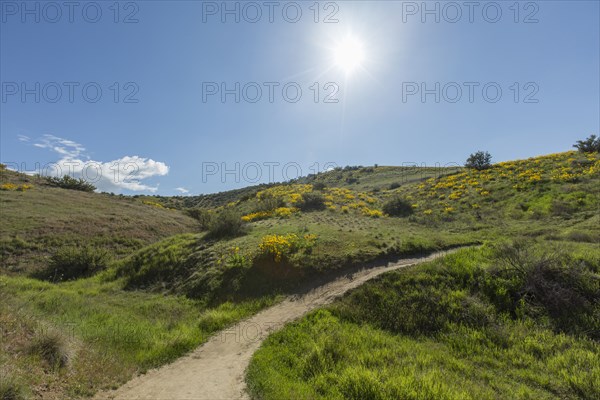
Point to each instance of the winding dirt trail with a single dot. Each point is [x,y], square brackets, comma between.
[215,370]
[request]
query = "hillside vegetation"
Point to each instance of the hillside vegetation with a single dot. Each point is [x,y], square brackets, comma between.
[38,219]
[178,269]
[516,319]
[375,178]
[507,322]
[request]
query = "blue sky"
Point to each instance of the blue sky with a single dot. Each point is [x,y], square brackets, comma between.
[158,127]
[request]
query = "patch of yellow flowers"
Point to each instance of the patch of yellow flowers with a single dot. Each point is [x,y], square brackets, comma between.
[280,246]
[346,200]
[12,186]
[289,193]
[560,167]
[153,204]
[335,199]
[256,216]
[281,212]
[371,212]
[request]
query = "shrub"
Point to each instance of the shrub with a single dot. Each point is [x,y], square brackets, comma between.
[72,262]
[480,160]
[311,202]
[161,263]
[589,145]
[52,348]
[397,207]
[227,223]
[67,182]
[202,215]
[548,282]
[268,203]
[320,186]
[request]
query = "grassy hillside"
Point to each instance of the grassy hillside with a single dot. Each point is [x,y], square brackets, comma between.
[466,327]
[38,219]
[518,320]
[244,248]
[359,178]
[68,340]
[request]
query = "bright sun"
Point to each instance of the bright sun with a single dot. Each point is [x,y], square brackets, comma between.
[349,54]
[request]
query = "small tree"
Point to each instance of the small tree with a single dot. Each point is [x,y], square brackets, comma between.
[479,161]
[589,145]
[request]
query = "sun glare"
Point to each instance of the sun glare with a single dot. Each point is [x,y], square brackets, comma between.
[349,54]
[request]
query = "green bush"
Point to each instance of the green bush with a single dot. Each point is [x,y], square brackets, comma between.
[226,224]
[202,215]
[72,262]
[589,145]
[320,186]
[67,182]
[549,282]
[311,202]
[397,207]
[268,203]
[480,160]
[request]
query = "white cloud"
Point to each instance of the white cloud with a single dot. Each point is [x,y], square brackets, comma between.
[64,147]
[182,190]
[127,172]
[23,138]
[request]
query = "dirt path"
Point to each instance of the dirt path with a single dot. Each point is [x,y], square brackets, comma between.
[216,369]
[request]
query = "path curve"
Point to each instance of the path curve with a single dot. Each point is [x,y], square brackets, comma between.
[216,369]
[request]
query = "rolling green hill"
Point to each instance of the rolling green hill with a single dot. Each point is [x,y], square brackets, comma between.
[173,279]
[373,178]
[38,219]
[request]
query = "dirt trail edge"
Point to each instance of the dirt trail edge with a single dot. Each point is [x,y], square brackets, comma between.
[216,369]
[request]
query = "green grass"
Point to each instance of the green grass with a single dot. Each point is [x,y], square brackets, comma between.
[325,357]
[435,331]
[110,333]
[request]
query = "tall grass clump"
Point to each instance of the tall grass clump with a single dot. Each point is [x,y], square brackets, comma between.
[10,388]
[52,348]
